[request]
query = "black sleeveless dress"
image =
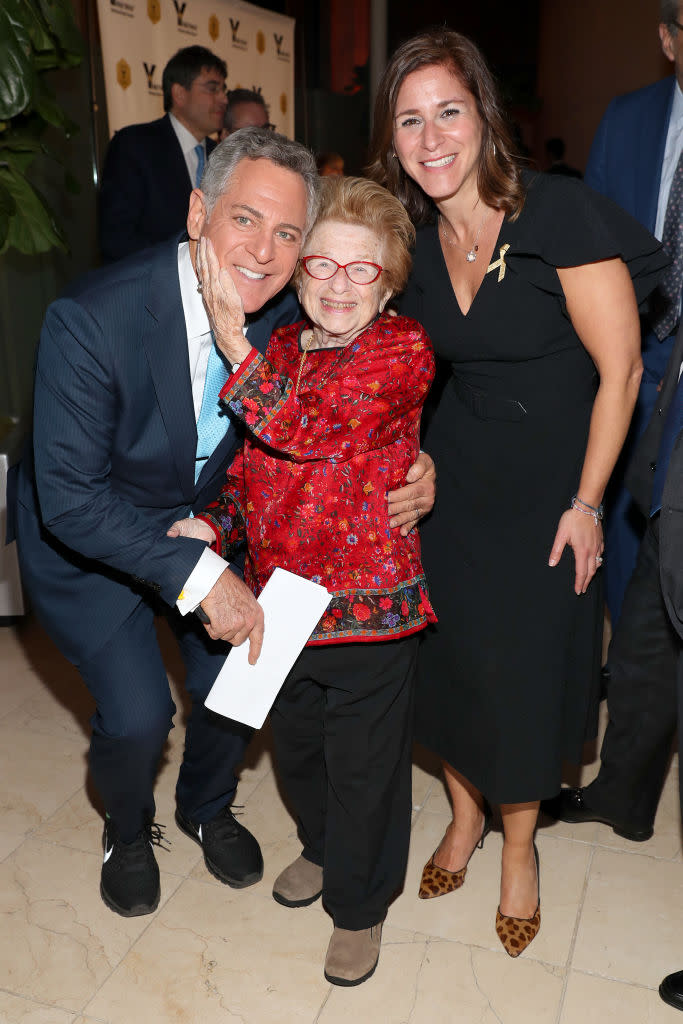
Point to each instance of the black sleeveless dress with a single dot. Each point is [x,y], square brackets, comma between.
[509,678]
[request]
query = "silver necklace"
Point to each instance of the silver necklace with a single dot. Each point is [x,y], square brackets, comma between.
[471,253]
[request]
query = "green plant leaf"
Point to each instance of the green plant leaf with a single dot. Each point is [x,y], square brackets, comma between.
[16,67]
[7,208]
[46,106]
[36,26]
[60,19]
[35,36]
[32,227]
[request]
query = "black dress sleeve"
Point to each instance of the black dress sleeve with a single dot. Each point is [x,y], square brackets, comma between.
[565,223]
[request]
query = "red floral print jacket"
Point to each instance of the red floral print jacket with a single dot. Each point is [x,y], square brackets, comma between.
[307,492]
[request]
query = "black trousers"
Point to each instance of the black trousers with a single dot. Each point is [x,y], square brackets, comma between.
[342,726]
[134,714]
[642,697]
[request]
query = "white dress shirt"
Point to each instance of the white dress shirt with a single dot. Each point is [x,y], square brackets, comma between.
[199,341]
[188,144]
[672,152]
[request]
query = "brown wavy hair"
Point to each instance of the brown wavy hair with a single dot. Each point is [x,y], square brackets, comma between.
[499,176]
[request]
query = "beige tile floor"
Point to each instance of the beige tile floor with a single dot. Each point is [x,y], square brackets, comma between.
[612,911]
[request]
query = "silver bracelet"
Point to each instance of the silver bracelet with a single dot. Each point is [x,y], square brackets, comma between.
[588,510]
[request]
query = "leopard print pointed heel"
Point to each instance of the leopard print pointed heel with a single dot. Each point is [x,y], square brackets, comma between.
[516,933]
[438,881]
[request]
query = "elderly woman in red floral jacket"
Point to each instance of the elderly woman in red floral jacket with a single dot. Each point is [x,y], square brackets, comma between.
[333,414]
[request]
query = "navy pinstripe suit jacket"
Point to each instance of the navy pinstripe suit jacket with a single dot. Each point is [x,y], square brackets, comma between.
[114,450]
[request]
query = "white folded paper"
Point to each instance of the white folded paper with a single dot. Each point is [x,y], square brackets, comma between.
[292,607]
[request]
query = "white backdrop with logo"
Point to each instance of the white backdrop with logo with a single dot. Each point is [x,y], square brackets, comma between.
[139,36]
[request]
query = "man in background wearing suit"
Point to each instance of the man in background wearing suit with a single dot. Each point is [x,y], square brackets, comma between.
[642,700]
[632,161]
[150,169]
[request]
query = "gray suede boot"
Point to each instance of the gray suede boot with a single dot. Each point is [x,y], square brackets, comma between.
[299,884]
[352,956]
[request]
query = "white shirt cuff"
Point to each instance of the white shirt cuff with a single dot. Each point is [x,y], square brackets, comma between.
[200,581]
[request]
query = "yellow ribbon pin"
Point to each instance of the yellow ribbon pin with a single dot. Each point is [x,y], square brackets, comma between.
[500,263]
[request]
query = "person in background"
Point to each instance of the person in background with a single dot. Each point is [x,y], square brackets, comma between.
[150,169]
[637,158]
[245,108]
[330,164]
[523,282]
[333,414]
[554,151]
[633,160]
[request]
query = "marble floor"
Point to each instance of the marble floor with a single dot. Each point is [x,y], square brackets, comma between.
[611,928]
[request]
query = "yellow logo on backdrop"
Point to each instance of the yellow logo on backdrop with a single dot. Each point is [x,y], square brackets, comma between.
[154,11]
[214,27]
[283,103]
[123,73]
[260,42]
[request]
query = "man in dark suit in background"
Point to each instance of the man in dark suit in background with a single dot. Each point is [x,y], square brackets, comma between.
[641,694]
[641,699]
[632,160]
[151,169]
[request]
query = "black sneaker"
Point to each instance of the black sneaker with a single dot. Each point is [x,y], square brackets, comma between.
[230,851]
[130,876]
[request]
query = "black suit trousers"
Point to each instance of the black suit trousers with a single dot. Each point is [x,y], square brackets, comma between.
[133,717]
[342,726]
[642,698]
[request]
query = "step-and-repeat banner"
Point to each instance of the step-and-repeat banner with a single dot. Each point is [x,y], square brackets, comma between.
[139,36]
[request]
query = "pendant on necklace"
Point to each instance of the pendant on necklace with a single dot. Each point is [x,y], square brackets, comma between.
[472,254]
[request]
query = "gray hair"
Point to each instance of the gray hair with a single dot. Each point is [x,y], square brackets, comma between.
[261,144]
[669,14]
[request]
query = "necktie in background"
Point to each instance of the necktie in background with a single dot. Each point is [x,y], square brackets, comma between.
[213,422]
[672,240]
[201,163]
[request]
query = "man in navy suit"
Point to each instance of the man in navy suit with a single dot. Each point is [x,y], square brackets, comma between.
[641,698]
[151,169]
[121,378]
[632,160]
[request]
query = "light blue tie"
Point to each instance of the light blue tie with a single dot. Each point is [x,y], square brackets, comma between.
[201,161]
[213,422]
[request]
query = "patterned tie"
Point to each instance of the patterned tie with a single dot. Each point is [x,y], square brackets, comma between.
[201,161]
[672,240]
[213,422]
[670,431]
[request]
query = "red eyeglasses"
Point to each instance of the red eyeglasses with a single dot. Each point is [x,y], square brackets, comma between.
[322,268]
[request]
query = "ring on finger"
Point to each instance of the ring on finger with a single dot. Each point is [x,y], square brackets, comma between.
[598,559]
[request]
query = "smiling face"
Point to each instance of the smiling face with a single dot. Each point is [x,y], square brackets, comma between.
[438,133]
[256,228]
[201,107]
[338,309]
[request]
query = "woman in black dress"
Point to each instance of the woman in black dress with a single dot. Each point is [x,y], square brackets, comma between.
[524,283]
